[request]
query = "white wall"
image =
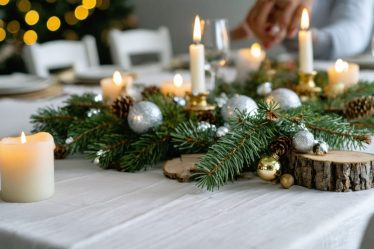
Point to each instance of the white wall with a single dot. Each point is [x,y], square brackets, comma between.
[178,16]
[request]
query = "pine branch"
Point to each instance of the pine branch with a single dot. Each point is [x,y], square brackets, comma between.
[187,138]
[80,105]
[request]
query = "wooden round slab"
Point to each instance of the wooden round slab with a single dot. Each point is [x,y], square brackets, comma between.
[339,171]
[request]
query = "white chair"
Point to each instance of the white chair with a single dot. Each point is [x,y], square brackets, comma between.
[124,44]
[40,58]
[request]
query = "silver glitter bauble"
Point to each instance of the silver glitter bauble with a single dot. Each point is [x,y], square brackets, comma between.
[204,126]
[222,131]
[320,148]
[264,89]
[143,116]
[285,98]
[221,100]
[303,141]
[238,102]
[179,101]
[69,140]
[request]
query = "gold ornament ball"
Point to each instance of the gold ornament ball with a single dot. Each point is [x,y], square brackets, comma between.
[287,181]
[269,168]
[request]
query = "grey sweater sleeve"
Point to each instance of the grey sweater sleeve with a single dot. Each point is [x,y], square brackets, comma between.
[348,31]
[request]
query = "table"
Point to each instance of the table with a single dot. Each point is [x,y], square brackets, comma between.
[93,208]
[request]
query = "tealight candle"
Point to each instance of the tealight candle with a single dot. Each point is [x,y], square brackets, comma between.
[249,60]
[197,60]
[305,44]
[113,87]
[27,168]
[178,87]
[343,73]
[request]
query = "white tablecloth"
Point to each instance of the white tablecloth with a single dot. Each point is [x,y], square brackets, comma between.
[93,208]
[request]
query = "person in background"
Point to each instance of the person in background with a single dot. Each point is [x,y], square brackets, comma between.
[341,28]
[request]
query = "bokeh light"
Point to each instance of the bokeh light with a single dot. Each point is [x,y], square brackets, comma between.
[70,18]
[53,23]
[2,34]
[81,12]
[4,2]
[32,17]
[30,37]
[24,5]
[13,26]
[89,4]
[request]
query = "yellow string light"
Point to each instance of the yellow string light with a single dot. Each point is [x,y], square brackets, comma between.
[32,17]
[81,12]
[53,23]
[13,26]
[4,2]
[30,37]
[89,4]
[2,34]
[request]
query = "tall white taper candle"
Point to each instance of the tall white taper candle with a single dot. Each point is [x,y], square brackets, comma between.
[197,60]
[305,44]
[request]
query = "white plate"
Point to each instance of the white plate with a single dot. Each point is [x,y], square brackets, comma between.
[95,74]
[365,60]
[19,83]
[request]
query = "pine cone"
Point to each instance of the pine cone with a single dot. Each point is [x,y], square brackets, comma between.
[207,116]
[121,106]
[150,90]
[60,151]
[361,107]
[281,146]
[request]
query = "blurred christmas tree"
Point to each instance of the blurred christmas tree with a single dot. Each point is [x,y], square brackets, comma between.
[26,22]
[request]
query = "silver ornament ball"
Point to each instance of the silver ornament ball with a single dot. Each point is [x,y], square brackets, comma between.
[320,148]
[238,102]
[285,98]
[303,141]
[143,116]
[222,131]
[264,89]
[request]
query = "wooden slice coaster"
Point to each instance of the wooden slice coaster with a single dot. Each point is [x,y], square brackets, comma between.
[182,168]
[339,171]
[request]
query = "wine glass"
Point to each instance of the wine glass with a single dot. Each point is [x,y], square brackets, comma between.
[217,45]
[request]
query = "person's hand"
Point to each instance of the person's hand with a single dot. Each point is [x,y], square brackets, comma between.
[288,14]
[261,19]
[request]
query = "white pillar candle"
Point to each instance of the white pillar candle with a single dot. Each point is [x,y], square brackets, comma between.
[305,44]
[344,73]
[27,168]
[113,87]
[197,60]
[249,60]
[177,87]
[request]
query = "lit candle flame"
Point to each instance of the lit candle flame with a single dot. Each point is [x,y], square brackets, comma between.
[256,50]
[305,20]
[197,30]
[178,80]
[117,78]
[23,138]
[341,66]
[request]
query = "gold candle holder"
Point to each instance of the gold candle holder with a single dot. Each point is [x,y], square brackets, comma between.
[307,88]
[199,103]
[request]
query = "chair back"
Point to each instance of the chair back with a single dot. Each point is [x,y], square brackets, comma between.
[40,58]
[124,44]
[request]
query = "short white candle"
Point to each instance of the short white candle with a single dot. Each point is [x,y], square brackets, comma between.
[305,44]
[249,60]
[113,87]
[177,87]
[27,168]
[343,72]
[197,60]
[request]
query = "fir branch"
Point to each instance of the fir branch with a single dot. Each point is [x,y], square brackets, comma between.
[187,138]
[80,105]
[242,145]
[146,151]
